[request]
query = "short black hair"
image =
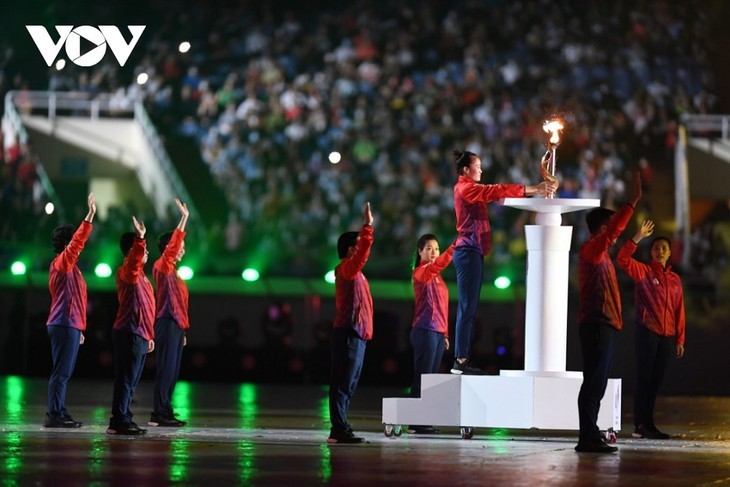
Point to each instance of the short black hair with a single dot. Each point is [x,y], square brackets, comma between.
[597,217]
[463,159]
[660,237]
[163,240]
[61,237]
[126,242]
[346,240]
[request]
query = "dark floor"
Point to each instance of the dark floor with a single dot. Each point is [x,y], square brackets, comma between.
[250,434]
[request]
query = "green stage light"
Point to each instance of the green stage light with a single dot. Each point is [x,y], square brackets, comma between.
[502,282]
[330,277]
[103,270]
[250,275]
[17,268]
[185,273]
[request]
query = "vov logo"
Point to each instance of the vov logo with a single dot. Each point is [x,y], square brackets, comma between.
[71,36]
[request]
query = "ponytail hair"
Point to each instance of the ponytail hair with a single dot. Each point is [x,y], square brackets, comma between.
[463,159]
[420,245]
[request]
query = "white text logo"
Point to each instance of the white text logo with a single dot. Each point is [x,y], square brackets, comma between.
[71,36]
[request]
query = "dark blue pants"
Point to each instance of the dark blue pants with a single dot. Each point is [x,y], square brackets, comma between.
[64,349]
[130,351]
[597,343]
[652,355]
[469,265]
[428,349]
[169,339]
[347,355]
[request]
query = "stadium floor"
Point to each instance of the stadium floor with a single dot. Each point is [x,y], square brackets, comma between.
[248,434]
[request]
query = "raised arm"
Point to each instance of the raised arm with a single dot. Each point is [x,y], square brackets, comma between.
[354,264]
[133,266]
[184,214]
[70,255]
[635,269]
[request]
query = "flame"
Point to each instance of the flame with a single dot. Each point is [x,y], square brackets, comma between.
[553,127]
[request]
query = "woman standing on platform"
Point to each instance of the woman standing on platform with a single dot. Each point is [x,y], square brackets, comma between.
[474,242]
[430,329]
[67,320]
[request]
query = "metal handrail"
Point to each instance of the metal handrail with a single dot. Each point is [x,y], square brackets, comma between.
[14,118]
[707,125]
[93,106]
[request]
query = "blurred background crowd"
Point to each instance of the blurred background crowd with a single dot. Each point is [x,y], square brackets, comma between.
[268,93]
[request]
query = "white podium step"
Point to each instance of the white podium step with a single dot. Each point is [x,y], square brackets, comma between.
[516,399]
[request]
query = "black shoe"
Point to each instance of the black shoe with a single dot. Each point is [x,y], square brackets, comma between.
[651,433]
[595,447]
[344,437]
[125,429]
[65,421]
[165,421]
[423,430]
[465,368]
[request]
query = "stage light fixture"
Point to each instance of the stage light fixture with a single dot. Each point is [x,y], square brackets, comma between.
[502,282]
[250,275]
[185,273]
[103,270]
[17,268]
[330,277]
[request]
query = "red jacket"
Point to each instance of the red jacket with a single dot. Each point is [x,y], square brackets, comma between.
[353,300]
[432,295]
[659,297]
[472,220]
[171,291]
[136,311]
[600,301]
[67,285]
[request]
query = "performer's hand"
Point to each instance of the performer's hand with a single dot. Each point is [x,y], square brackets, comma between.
[150,346]
[82,339]
[647,228]
[182,207]
[185,340]
[636,196]
[446,343]
[91,201]
[368,214]
[139,227]
[680,351]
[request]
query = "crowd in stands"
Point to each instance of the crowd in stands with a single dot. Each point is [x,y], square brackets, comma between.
[269,92]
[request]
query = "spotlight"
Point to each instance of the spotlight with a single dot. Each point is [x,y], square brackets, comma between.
[185,273]
[335,157]
[17,268]
[250,275]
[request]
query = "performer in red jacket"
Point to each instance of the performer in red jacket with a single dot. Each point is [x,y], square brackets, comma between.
[599,316]
[67,319]
[430,328]
[133,332]
[171,320]
[660,325]
[352,328]
[474,242]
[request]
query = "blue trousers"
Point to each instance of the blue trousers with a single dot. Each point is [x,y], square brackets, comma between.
[469,265]
[347,355]
[652,355]
[65,343]
[130,351]
[597,342]
[428,349]
[169,340]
